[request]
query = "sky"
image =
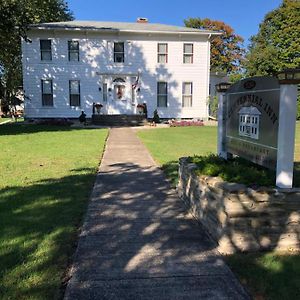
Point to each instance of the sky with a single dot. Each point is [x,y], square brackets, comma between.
[244,16]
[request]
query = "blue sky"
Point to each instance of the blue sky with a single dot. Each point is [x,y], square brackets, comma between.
[243,15]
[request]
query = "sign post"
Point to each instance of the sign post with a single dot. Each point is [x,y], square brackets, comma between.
[287,126]
[221,89]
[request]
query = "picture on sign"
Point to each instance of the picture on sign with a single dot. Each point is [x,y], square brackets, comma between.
[252,107]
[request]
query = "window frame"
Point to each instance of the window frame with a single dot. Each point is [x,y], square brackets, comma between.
[119,52]
[188,54]
[44,95]
[42,50]
[74,94]
[165,54]
[187,95]
[162,95]
[73,51]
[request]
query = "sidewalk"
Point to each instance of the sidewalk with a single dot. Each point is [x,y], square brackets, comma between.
[138,242]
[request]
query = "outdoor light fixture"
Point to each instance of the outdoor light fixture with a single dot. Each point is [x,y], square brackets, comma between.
[222,87]
[289,76]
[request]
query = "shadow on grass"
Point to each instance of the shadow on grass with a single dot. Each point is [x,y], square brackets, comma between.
[21,128]
[276,276]
[38,232]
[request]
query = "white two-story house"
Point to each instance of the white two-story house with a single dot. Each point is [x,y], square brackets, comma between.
[68,66]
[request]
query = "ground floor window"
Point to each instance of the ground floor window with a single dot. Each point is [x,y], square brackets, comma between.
[187,94]
[47,92]
[74,88]
[162,94]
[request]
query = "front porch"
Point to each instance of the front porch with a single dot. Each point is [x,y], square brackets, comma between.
[119,120]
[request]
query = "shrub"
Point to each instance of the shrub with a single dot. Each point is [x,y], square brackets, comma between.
[156,118]
[236,170]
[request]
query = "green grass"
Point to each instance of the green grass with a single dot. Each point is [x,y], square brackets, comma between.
[168,144]
[274,276]
[45,181]
[267,275]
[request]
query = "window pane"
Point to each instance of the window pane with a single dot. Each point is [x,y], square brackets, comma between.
[162,48]
[188,59]
[47,100]
[74,56]
[186,101]
[187,88]
[162,101]
[46,55]
[75,100]
[162,58]
[47,86]
[188,48]
[119,47]
[74,45]
[119,57]
[45,44]
[104,92]
[162,88]
[74,87]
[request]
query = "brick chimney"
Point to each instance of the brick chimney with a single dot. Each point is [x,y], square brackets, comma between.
[142,20]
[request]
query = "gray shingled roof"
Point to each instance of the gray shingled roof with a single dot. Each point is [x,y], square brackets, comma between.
[119,26]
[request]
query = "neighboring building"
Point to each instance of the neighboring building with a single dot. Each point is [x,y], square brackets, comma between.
[68,66]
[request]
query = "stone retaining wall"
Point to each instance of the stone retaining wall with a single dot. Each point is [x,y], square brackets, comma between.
[239,218]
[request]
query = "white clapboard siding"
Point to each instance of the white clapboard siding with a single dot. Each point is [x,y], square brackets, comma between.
[96,56]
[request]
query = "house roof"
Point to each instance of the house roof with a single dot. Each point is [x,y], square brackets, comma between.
[121,27]
[251,110]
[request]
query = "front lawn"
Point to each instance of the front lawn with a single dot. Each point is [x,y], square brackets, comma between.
[267,275]
[46,177]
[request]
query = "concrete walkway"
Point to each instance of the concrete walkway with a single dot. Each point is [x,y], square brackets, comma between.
[138,242]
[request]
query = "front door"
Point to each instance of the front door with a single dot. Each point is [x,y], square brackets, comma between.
[121,100]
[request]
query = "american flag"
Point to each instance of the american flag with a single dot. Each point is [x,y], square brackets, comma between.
[135,84]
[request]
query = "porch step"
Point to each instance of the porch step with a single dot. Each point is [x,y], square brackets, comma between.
[119,120]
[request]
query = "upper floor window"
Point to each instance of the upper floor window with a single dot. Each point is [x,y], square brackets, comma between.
[162,53]
[162,94]
[119,52]
[73,49]
[187,94]
[45,46]
[188,53]
[47,92]
[74,88]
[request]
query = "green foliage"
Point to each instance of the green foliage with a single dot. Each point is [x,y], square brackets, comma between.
[227,51]
[236,170]
[43,198]
[277,44]
[15,16]
[156,117]
[213,106]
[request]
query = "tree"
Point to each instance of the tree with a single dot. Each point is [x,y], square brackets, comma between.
[15,16]
[227,51]
[277,44]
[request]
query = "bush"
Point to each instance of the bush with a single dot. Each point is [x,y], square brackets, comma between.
[156,118]
[236,170]
[55,122]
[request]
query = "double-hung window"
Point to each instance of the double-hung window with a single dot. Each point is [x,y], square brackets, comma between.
[162,53]
[73,49]
[188,53]
[118,52]
[45,47]
[74,88]
[187,94]
[162,94]
[47,92]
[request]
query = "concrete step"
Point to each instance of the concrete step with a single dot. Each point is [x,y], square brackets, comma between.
[119,120]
